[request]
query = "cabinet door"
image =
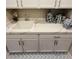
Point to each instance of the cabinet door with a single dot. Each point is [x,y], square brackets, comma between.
[11,3]
[13,45]
[62,44]
[47,3]
[65,4]
[46,45]
[30,3]
[30,45]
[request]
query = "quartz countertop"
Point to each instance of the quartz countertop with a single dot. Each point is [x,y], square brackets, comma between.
[39,27]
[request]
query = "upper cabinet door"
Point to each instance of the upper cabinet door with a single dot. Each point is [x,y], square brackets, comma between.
[65,4]
[47,3]
[29,3]
[11,3]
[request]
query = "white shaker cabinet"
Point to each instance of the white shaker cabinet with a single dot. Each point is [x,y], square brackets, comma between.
[39,3]
[39,43]
[30,3]
[30,45]
[11,3]
[55,42]
[65,4]
[13,45]
[47,3]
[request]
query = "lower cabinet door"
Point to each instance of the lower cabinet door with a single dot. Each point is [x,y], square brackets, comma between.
[62,45]
[13,45]
[30,45]
[46,45]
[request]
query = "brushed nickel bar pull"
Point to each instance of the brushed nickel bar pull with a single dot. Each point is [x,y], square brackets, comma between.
[23,46]
[17,3]
[59,3]
[19,42]
[21,3]
[55,43]
[55,3]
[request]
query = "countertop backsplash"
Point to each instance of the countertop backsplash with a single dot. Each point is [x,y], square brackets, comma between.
[37,15]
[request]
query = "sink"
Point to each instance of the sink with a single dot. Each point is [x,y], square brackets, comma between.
[23,26]
[47,27]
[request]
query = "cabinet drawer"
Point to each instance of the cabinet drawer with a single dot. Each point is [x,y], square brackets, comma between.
[30,36]
[13,36]
[61,36]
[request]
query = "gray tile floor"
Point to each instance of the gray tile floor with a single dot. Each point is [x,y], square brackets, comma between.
[40,56]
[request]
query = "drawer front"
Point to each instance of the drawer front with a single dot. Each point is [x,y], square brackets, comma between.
[30,36]
[62,45]
[57,36]
[21,36]
[8,36]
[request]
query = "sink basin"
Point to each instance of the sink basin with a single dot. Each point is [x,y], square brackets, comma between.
[47,27]
[23,25]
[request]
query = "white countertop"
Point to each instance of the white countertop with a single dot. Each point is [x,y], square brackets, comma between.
[39,27]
